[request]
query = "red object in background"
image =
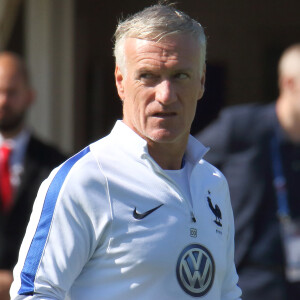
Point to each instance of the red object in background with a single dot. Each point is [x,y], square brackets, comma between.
[5,184]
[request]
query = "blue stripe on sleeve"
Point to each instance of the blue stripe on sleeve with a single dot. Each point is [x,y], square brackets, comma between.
[39,240]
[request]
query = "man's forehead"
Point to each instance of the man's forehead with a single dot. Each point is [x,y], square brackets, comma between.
[177,49]
[9,73]
[173,45]
[11,77]
[9,67]
[172,40]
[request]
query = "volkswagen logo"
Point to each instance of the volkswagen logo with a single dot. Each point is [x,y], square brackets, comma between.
[195,270]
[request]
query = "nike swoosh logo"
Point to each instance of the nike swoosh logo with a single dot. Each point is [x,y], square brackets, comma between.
[140,216]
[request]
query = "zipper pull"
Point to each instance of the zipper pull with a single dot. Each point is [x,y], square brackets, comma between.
[193,217]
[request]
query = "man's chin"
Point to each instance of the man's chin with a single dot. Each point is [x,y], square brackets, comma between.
[7,127]
[163,136]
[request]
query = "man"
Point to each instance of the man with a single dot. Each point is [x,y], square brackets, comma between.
[256,145]
[29,163]
[138,214]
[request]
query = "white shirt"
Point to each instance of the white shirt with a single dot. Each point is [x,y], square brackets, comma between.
[110,224]
[181,177]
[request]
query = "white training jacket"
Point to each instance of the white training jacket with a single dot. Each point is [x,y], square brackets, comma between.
[110,224]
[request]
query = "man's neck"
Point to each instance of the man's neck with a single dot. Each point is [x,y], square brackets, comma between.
[167,156]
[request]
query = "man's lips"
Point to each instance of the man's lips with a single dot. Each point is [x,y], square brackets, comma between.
[164,114]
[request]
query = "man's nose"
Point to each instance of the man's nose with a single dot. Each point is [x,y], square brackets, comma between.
[165,93]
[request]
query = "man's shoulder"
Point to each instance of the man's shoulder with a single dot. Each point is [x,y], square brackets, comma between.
[245,119]
[244,112]
[211,169]
[44,153]
[236,129]
[79,170]
[211,178]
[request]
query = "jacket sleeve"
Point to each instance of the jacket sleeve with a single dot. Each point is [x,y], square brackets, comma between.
[61,235]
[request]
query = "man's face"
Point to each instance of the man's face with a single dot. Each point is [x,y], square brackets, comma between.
[15,96]
[160,87]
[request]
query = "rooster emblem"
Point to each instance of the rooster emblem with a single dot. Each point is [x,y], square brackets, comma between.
[216,211]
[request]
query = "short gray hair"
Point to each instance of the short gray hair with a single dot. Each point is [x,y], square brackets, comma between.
[154,23]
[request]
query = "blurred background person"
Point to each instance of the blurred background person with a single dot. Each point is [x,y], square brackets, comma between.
[257,147]
[24,162]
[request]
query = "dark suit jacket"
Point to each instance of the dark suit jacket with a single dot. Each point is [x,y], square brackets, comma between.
[40,159]
[240,148]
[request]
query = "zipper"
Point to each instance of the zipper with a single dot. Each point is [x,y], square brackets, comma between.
[157,169]
[187,202]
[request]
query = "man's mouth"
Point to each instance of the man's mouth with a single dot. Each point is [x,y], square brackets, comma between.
[164,114]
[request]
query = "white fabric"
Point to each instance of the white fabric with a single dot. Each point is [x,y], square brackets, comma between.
[181,178]
[95,248]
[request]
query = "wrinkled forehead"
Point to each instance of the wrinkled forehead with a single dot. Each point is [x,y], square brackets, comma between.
[165,37]
[175,45]
[180,52]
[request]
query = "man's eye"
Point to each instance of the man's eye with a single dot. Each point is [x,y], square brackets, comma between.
[181,76]
[147,76]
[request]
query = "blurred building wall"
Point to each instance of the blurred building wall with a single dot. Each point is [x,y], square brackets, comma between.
[68,46]
[49,49]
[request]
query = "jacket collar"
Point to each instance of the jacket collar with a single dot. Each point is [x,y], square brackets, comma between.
[137,146]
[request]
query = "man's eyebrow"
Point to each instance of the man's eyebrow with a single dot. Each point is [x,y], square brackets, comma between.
[145,70]
[183,70]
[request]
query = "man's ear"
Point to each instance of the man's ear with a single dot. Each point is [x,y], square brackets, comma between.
[119,82]
[202,83]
